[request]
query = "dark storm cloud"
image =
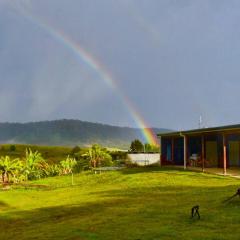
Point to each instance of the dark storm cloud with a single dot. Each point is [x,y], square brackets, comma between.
[175,60]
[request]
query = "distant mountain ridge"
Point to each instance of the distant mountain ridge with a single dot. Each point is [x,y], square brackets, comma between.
[70,133]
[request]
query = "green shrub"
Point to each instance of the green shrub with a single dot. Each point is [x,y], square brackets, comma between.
[118,155]
[35,166]
[106,162]
[12,148]
[67,166]
[9,168]
[54,170]
[75,150]
[82,165]
[98,156]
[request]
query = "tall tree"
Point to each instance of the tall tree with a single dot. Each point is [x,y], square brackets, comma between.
[136,146]
[151,148]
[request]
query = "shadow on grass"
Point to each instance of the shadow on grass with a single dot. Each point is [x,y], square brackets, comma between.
[3,205]
[101,179]
[150,169]
[130,211]
[121,211]
[31,186]
[59,222]
[175,171]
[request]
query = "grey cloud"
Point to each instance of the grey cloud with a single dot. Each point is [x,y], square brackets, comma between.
[175,60]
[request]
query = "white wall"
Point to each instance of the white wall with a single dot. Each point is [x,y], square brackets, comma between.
[143,159]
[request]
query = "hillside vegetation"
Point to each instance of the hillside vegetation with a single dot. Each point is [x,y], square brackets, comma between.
[69,133]
[146,203]
[52,154]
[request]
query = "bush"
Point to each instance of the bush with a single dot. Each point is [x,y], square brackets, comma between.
[118,155]
[82,165]
[75,150]
[106,162]
[12,148]
[54,170]
[35,166]
[136,146]
[67,165]
[98,156]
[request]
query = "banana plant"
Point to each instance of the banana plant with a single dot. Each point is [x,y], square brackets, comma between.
[9,168]
[68,165]
[34,163]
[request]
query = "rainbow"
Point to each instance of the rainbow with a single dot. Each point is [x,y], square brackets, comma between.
[90,61]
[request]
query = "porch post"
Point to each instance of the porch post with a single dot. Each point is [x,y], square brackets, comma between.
[224,155]
[185,151]
[203,153]
[160,151]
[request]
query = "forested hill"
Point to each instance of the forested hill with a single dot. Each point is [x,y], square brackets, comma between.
[69,132]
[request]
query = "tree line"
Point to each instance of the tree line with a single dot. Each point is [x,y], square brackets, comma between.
[137,146]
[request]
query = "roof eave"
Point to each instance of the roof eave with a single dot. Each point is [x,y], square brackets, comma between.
[202,131]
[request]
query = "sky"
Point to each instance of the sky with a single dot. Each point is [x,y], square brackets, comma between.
[169,61]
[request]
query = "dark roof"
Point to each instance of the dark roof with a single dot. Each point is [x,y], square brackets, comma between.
[202,130]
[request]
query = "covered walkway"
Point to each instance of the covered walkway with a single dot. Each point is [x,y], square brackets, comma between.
[232,172]
[209,149]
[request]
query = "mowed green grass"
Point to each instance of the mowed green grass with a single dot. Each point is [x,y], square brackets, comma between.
[151,203]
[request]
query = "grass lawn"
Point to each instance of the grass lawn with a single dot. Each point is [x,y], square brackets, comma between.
[150,203]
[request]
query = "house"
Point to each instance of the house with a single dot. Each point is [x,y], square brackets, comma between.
[217,147]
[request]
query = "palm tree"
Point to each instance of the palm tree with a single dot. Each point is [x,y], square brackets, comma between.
[9,167]
[97,155]
[93,155]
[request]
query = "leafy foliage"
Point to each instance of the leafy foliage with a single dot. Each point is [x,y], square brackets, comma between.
[151,148]
[12,148]
[34,164]
[98,156]
[68,165]
[75,150]
[82,164]
[9,168]
[136,146]
[54,170]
